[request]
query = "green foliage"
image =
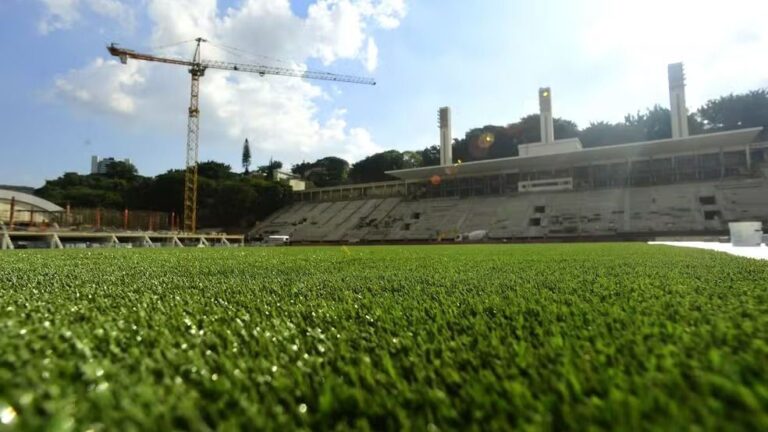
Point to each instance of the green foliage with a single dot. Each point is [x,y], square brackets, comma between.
[505,139]
[372,168]
[412,159]
[736,111]
[328,171]
[430,156]
[603,133]
[93,190]
[612,337]
[121,170]
[215,170]
[163,193]
[269,169]
[655,123]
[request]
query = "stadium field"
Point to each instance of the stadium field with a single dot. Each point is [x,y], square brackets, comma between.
[565,337]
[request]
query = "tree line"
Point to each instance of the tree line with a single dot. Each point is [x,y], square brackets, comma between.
[226,199]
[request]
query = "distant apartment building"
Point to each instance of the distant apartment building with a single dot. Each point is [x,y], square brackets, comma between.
[99,166]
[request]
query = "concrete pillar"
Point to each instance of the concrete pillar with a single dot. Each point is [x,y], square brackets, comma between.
[13,212]
[722,164]
[749,158]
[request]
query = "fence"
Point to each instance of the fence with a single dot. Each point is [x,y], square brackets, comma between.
[96,219]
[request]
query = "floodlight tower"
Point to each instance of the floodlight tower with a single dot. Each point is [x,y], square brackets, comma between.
[545,115]
[446,143]
[677,107]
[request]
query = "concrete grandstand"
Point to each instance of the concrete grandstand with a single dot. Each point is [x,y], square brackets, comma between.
[685,185]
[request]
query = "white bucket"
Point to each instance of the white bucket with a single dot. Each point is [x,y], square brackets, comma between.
[746,233]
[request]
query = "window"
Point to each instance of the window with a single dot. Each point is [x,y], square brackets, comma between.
[707,200]
[534,222]
[712,215]
[416,215]
[539,209]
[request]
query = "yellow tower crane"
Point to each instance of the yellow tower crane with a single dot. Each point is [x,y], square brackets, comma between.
[197,68]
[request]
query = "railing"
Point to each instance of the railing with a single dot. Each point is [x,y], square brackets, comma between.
[94,219]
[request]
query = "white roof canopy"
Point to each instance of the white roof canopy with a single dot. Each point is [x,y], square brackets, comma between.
[21,197]
[642,150]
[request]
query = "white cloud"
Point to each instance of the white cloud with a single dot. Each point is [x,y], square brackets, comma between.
[389,13]
[59,14]
[280,115]
[113,9]
[102,83]
[719,44]
[63,14]
[371,55]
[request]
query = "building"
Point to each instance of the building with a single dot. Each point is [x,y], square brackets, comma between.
[99,166]
[296,183]
[684,185]
[27,208]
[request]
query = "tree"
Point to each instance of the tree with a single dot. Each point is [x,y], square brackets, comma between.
[301,168]
[246,156]
[121,170]
[165,193]
[412,159]
[493,142]
[214,170]
[655,123]
[735,111]
[528,129]
[604,133]
[269,169]
[328,171]
[372,168]
[430,156]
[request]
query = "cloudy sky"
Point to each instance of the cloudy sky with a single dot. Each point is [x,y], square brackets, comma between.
[64,98]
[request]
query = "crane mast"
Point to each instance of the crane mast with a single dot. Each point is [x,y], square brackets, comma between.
[197,68]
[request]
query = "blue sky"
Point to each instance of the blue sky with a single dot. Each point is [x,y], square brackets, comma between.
[65,99]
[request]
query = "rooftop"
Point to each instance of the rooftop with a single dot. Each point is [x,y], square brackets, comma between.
[21,197]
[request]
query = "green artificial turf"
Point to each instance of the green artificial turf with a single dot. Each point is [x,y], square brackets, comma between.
[565,337]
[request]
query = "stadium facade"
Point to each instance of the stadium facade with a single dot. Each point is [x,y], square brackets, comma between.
[555,189]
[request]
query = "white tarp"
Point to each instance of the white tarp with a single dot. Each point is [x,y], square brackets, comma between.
[758,252]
